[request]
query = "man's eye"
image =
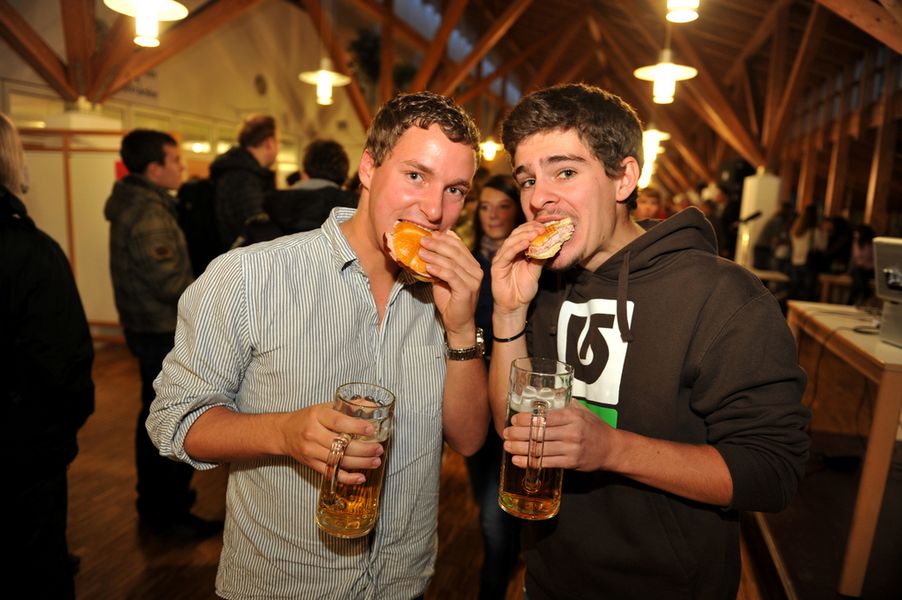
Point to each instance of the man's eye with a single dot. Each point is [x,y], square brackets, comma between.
[566,173]
[457,191]
[414,176]
[527,183]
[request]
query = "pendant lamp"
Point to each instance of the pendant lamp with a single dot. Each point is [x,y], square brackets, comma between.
[148,14]
[682,11]
[324,79]
[665,73]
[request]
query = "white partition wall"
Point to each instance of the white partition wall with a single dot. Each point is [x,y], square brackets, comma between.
[760,192]
[71,174]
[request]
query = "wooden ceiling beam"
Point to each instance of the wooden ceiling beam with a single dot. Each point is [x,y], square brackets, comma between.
[181,35]
[680,141]
[710,101]
[871,18]
[117,47]
[340,60]
[571,75]
[776,76]
[798,76]
[32,48]
[748,97]
[675,172]
[894,7]
[761,35]
[729,125]
[491,37]
[80,36]
[387,57]
[562,44]
[481,86]
[454,10]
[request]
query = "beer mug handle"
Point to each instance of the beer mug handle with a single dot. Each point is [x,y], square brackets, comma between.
[336,453]
[532,479]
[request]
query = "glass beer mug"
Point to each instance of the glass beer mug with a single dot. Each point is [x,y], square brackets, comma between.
[537,386]
[350,511]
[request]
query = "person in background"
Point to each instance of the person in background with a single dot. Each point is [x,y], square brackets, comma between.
[464,226]
[150,269]
[861,264]
[243,176]
[270,331]
[802,278]
[497,213]
[649,205]
[47,390]
[307,204]
[687,391]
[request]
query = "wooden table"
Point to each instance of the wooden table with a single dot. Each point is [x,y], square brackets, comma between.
[832,325]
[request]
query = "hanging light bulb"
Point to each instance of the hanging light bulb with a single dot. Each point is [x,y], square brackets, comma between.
[324,79]
[651,141]
[682,11]
[665,74]
[148,14]
[489,149]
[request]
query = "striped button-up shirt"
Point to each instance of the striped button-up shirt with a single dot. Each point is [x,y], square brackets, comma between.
[277,327]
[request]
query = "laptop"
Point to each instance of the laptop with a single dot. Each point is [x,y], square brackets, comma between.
[888,285]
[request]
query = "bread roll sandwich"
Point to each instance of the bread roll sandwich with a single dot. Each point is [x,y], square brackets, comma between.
[403,243]
[549,242]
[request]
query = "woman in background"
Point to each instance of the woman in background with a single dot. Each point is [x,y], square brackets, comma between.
[498,212]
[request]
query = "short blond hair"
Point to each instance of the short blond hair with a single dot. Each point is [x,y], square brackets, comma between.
[12,157]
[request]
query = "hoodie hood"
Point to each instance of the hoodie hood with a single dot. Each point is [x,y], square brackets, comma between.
[686,230]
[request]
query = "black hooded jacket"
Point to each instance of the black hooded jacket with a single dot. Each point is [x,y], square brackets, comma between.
[46,357]
[241,184]
[672,342]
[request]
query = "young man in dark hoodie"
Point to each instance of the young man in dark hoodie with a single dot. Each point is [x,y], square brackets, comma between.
[243,176]
[686,385]
[150,269]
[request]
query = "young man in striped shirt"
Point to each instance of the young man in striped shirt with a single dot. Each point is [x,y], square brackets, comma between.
[269,332]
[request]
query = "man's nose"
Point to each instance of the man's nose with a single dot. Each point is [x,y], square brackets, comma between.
[542,195]
[431,205]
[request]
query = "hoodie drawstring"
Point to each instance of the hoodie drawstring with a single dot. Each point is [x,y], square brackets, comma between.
[622,287]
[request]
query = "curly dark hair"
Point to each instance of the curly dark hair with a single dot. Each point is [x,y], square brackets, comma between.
[423,110]
[326,159]
[605,123]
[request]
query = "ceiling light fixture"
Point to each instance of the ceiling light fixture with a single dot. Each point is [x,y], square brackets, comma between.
[489,149]
[651,146]
[682,11]
[324,79]
[665,73]
[148,14]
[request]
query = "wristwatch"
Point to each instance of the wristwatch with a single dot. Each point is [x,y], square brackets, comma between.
[477,351]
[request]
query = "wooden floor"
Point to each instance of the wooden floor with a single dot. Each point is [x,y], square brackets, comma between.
[116,562]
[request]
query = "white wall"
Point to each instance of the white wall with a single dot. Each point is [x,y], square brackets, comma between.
[211,80]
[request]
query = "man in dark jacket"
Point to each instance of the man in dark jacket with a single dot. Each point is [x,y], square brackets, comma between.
[307,204]
[243,176]
[150,269]
[686,387]
[46,390]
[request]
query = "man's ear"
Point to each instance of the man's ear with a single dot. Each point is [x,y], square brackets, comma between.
[366,168]
[152,172]
[626,183]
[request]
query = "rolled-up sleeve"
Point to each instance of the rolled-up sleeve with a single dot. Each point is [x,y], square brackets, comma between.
[211,355]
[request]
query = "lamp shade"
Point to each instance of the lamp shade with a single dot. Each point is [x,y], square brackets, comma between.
[682,11]
[665,74]
[324,79]
[148,14]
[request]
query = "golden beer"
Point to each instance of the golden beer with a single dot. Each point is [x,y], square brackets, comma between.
[353,509]
[537,386]
[346,510]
